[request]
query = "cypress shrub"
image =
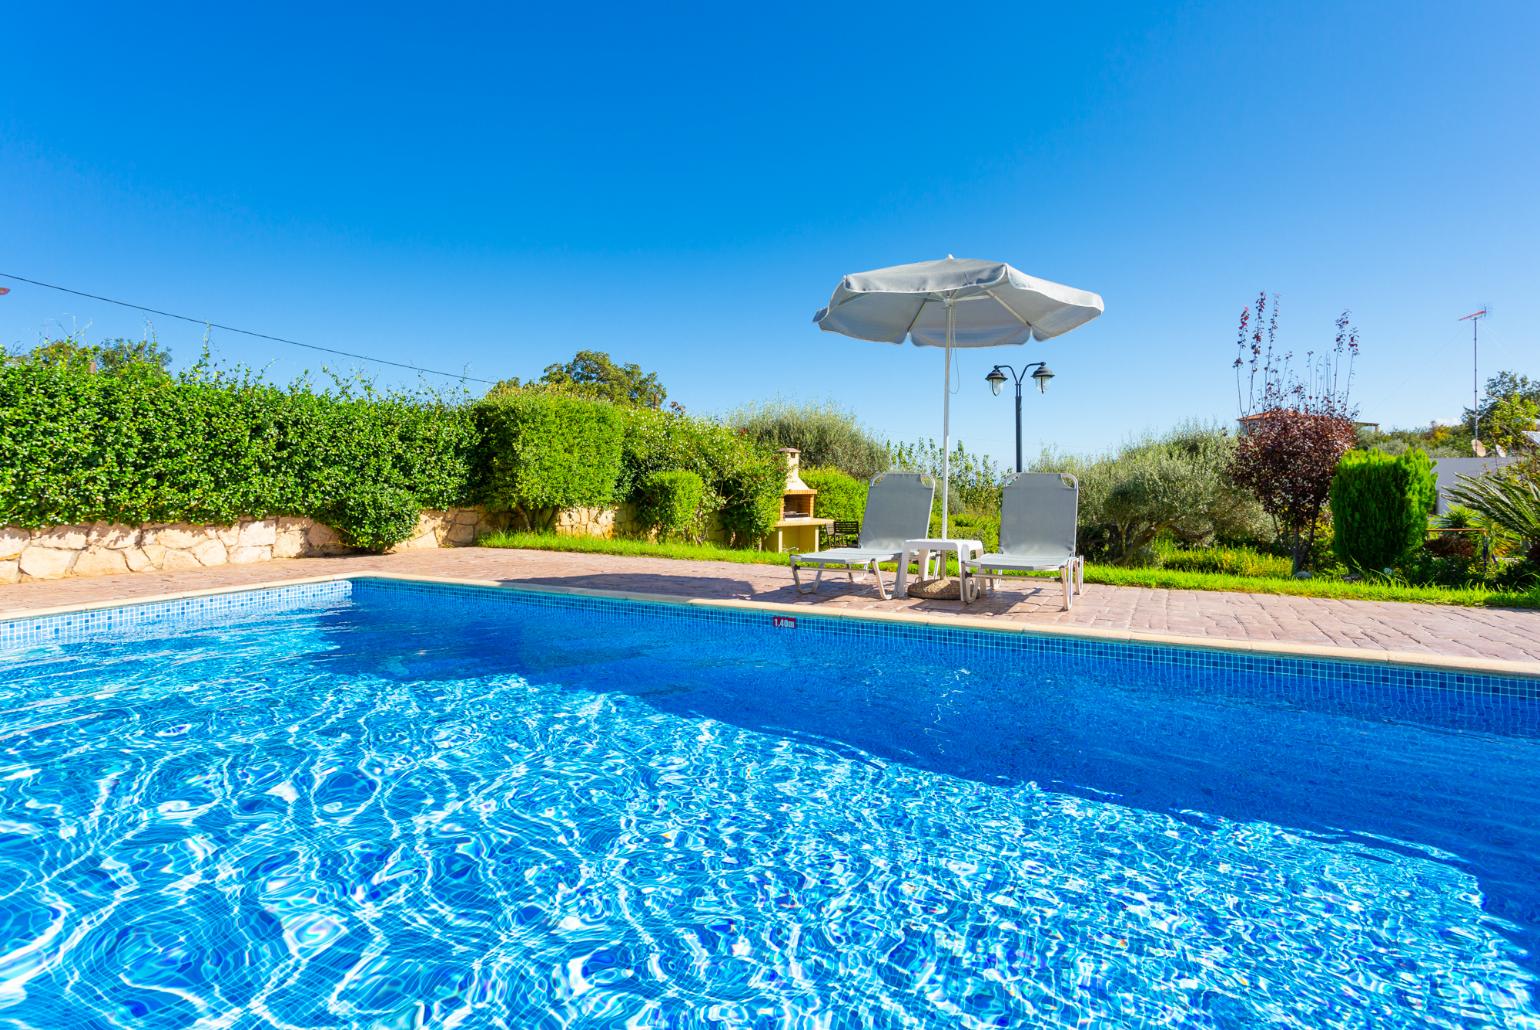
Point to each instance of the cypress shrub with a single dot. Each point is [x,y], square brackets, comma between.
[546,451]
[1380,507]
[670,502]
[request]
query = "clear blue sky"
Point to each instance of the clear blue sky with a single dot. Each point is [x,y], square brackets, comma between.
[492,191]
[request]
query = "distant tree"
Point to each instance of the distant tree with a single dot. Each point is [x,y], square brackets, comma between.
[596,375]
[113,355]
[1503,400]
[1298,427]
[828,436]
[109,356]
[1510,409]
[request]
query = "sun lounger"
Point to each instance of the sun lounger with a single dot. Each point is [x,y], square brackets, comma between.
[897,509]
[1038,512]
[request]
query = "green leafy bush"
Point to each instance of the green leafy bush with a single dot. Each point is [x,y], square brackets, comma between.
[135,445]
[670,502]
[1380,507]
[744,479]
[546,451]
[974,478]
[973,526]
[373,517]
[751,498]
[840,497]
[1172,486]
[827,436]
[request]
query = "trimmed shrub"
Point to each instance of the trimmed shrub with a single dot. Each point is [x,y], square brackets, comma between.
[751,499]
[1380,507]
[373,517]
[546,451]
[136,445]
[840,496]
[670,502]
[743,479]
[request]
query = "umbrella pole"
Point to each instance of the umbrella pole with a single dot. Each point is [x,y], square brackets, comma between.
[946,416]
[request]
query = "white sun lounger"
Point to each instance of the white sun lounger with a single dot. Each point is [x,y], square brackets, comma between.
[1038,512]
[897,509]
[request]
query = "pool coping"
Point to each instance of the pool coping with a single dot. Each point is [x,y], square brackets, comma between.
[1448,663]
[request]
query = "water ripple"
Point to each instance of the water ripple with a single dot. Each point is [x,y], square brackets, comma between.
[349,818]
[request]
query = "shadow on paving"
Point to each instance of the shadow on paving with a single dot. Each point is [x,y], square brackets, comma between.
[1047,597]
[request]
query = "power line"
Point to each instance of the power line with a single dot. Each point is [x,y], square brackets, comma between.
[248,332]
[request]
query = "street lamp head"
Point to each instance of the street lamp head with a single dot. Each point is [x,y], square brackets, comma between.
[996,379]
[1042,374]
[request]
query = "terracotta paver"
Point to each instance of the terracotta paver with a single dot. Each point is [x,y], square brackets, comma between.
[1372,628]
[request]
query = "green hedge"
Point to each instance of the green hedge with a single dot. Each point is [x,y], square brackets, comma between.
[841,496]
[1380,506]
[138,445]
[744,480]
[542,452]
[670,502]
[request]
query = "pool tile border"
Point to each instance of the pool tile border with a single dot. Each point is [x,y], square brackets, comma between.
[64,623]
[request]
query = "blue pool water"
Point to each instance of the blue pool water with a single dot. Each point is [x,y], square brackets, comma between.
[391,805]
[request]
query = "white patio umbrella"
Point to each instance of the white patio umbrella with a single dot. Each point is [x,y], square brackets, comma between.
[956,302]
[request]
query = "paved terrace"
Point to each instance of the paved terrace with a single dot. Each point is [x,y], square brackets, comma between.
[1371,629]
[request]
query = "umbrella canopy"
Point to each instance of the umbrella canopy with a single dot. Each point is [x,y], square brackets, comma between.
[956,302]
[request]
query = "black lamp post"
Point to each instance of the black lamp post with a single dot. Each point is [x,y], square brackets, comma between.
[997,378]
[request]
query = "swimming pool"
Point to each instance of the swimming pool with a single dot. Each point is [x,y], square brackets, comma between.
[385,803]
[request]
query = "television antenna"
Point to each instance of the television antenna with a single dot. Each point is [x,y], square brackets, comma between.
[1474,318]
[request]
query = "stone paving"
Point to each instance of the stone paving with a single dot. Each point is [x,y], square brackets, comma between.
[1370,628]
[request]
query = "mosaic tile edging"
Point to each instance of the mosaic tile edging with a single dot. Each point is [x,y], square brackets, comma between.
[192,611]
[1195,660]
[205,608]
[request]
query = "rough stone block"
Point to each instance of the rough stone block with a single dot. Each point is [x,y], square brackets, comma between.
[10,571]
[262,533]
[460,535]
[112,536]
[417,543]
[247,555]
[322,536]
[172,560]
[227,535]
[211,552]
[65,538]
[178,537]
[46,562]
[98,561]
[138,559]
[13,540]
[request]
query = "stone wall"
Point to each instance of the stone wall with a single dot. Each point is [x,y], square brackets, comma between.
[103,549]
[620,521]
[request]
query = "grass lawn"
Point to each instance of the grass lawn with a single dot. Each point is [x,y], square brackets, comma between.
[1113,575]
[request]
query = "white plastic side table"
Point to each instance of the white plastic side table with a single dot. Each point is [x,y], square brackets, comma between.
[920,551]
